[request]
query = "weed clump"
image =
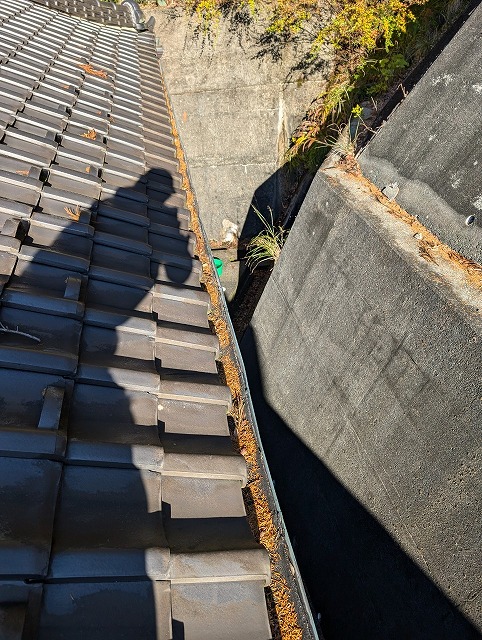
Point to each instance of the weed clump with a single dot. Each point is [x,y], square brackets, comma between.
[267,245]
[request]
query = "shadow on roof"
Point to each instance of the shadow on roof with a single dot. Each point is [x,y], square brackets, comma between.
[102,311]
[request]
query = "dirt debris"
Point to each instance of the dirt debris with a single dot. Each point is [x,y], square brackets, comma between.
[430,248]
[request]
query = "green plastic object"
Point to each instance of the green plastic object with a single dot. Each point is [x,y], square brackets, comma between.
[218,263]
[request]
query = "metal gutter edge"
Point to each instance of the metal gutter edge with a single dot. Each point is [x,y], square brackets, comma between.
[314,628]
[310,629]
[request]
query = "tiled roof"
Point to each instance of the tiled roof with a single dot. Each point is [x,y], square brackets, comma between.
[121,512]
[126,14]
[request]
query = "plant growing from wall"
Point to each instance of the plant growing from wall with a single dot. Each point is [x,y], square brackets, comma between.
[374,44]
[267,245]
[371,42]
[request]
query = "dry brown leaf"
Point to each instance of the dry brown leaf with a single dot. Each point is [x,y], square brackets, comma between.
[465,262]
[22,172]
[87,169]
[424,252]
[98,73]
[73,213]
[91,134]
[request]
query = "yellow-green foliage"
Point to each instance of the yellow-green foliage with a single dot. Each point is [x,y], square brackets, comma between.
[371,43]
[359,26]
[285,17]
[208,12]
[357,32]
[288,17]
[355,24]
[353,29]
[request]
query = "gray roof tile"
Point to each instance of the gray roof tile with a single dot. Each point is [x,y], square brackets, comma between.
[27,532]
[69,609]
[113,426]
[175,310]
[196,617]
[117,533]
[10,208]
[183,357]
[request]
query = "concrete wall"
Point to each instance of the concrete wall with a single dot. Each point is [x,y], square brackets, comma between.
[431,145]
[235,109]
[365,366]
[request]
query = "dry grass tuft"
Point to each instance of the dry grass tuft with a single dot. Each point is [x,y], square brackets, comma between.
[267,245]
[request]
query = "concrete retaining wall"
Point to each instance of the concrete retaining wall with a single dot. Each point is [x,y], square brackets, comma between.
[365,367]
[431,146]
[235,109]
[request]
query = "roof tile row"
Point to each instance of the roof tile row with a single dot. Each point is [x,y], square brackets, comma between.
[121,512]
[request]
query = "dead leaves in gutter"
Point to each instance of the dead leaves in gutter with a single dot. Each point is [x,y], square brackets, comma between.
[281,609]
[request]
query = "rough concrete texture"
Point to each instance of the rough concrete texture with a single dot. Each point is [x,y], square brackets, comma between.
[235,109]
[431,145]
[364,364]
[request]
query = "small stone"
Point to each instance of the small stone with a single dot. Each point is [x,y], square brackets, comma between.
[230,231]
[391,190]
[418,236]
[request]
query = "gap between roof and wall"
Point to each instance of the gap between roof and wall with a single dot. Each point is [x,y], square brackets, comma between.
[288,606]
